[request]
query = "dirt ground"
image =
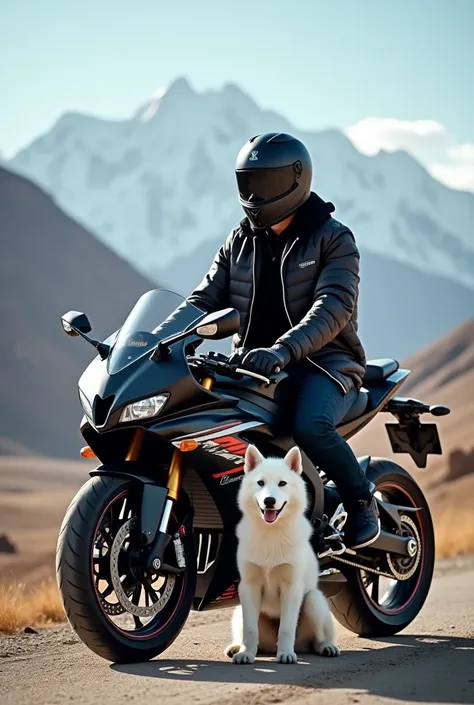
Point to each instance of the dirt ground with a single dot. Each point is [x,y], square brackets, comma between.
[431,662]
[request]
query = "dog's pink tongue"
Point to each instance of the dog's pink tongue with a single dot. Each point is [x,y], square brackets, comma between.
[270,515]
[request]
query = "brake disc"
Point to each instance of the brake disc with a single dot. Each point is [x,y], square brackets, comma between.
[139,611]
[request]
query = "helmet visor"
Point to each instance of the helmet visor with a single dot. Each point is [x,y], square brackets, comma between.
[259,185]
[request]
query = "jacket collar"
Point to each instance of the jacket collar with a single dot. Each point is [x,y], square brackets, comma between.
[310,216]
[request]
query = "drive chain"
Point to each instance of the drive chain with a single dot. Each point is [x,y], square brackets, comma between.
[377,571]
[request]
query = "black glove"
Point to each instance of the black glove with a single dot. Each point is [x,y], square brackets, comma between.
[266,361]
[237,356]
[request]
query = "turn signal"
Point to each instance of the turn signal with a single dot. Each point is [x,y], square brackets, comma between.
[87,452]
[186,446]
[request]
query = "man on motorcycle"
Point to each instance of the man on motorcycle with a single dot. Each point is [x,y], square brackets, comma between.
[292,272]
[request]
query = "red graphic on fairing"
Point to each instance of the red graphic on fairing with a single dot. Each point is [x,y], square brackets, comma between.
[218,441]
[230,448]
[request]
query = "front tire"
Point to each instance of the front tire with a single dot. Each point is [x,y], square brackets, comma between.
[102,510]
[360,607]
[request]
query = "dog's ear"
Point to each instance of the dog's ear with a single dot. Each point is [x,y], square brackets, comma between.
[252,458]
[294,460]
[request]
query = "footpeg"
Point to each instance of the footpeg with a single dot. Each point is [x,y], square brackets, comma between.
[335,540]
[332,551]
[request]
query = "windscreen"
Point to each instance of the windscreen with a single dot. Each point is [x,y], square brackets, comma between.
[156,315]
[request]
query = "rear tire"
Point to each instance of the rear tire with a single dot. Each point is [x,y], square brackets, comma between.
[78,583]
[353,607]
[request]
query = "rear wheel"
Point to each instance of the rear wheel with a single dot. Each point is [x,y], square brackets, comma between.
[372,604]
[121,610]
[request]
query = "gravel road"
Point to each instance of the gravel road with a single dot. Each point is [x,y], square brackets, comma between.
[431,662]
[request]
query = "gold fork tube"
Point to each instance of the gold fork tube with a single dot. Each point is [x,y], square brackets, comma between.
[136,444]
[175,475]
[207,382]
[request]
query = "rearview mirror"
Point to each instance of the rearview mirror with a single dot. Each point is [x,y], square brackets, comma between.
[220,324]
[74,323]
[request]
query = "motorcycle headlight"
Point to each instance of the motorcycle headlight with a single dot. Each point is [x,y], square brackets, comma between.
[144,409]
[86,405]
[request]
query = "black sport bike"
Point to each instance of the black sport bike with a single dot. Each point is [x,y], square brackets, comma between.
[151,534]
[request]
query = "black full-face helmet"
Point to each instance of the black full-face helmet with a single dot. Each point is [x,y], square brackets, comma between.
[273,173]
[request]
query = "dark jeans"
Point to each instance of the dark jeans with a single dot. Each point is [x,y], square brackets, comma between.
[318,404]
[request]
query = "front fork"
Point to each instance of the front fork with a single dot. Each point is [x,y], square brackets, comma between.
[157,503]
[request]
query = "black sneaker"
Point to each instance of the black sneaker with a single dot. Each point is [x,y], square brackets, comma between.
[363,524]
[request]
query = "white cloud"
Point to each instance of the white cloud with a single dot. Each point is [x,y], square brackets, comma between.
[462,152]
[427,140]
[371,134]
[459,176]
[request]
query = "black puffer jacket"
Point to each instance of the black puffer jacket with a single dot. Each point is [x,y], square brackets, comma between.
[320,274]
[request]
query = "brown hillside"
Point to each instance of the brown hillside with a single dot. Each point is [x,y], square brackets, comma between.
[443,373]
[49,264]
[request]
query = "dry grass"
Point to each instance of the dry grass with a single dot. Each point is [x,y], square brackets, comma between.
[454,531]
[20,608]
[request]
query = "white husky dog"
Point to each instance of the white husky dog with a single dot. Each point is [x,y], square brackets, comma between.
[281,606]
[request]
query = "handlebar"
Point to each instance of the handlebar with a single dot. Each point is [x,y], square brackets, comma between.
[223,367]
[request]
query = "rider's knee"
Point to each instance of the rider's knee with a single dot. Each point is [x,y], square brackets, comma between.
[314,432]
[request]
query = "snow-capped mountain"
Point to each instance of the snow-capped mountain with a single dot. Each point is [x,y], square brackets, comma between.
[160,185]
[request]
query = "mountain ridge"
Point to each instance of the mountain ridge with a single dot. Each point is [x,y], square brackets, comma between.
[152,185]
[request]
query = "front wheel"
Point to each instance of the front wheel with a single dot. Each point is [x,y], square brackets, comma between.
[121,611]
[372,604]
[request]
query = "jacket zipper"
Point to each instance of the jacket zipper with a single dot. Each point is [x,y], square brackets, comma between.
[285,255]
[254,245]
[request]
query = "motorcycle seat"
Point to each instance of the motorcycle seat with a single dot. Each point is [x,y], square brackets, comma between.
[378,370]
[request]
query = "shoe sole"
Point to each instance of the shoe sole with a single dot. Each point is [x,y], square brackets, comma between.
[367,543]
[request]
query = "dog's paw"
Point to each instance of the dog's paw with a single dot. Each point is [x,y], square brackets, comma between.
[286,657]
[243,657]
[231,650]
[328,649]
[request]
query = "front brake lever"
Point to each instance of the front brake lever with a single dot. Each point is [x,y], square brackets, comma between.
[255,375]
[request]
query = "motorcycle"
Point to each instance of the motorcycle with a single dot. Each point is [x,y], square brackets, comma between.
[151,534]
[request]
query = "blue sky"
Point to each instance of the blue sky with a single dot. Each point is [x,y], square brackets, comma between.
[319,62]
